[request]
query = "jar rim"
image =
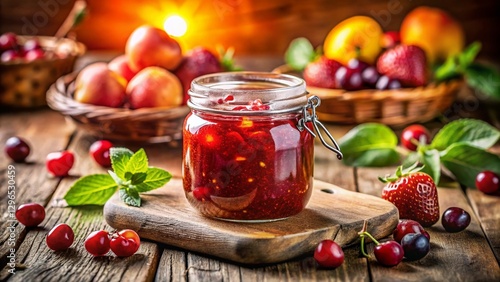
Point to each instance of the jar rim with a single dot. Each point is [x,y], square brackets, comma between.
[282,92]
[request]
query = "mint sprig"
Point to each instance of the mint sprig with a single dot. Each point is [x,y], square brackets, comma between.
[461,147]
[131,175]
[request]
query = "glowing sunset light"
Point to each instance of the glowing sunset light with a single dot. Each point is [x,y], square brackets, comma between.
[175,26]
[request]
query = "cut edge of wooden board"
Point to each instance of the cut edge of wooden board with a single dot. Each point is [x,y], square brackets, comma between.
[250,248]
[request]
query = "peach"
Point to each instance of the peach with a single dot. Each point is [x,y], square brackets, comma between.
[433,30]
[154,87]
[98,85]
[121,66]
[150,46]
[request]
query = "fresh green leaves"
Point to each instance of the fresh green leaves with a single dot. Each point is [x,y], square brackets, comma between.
[460,146]
[455,66]
[369,144]
[300,53]
[131,175]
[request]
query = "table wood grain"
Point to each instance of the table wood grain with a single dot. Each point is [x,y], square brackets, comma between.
[471,255]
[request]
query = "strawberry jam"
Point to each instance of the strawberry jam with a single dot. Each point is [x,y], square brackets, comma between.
[244,156]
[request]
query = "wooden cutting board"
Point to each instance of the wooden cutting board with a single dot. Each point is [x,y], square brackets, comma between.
[332,213]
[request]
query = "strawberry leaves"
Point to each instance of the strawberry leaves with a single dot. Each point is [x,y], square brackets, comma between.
[131,175]
[460,146]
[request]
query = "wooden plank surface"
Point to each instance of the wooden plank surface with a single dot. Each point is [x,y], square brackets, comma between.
[166,216]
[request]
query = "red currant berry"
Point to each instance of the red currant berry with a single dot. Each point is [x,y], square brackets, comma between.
[60,237]
[59,163]
[32,44]
[407,226]
[8,41]
[389,253]
[98,243]
[414,135]
[455,219]
[125,243]
[415,246]
[17,149]
[30,214]
[329,254]
[99,150]
[487,182]
[35,54]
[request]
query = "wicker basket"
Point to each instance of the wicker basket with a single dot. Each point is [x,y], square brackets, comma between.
[24,84]
[398,107]
[153,125]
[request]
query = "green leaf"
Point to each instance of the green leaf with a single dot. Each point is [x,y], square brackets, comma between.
[466,162]
[369,144]
[412,158]
[448,70]
[300,52]
[138,178]
[432,164]
[156,178]
[470,131]
[484,78]
[138,162]
[130,197]
[119,160]
[93,189]
[469,54]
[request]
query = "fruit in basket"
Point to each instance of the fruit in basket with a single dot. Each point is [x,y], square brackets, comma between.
[370,76]
[433,30]
[348,79]
[8,41]
[384,82]
[406,63]
[96,84]
[390,39]
[150,46]
[121,66]
[154,87]
[34,54]
[356,37]
[414,194]
[10,55]
[198,61]
[17,149]
[321,73]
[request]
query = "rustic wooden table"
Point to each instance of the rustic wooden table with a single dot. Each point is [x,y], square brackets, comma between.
[471,255]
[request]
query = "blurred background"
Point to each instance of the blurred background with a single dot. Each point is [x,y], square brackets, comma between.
[252,27]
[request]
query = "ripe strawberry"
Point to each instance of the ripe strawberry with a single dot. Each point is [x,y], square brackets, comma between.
[321,73]
[414,194]
[406,63]
[198,61]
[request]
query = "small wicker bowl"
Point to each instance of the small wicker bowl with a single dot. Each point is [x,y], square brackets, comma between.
[24,84]
[397,107]
[151,125]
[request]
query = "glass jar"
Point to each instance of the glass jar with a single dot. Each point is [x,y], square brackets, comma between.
[248,146]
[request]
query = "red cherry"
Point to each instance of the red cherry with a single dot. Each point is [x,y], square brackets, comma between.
[487,182]
[455,219]
[389,253]
[99,150]
[32,44]
[406,226]
[98,243]
[125,243]
[34,54]
[390,39]
[414,135]
[60,237]
[30,215]
[59,163]
[10,55]
[17,149]
[8,41]
[329,254]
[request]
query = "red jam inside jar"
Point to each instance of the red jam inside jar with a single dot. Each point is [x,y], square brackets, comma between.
[245,157]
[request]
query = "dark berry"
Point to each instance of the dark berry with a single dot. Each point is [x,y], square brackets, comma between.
[415,246]
[406,226]
[487,182]
[348,79]
[384,83]
[357,65]
[329,254]
[455,219]
[17,149]
[30,214]
[370,76]
[60,237]
[389,253]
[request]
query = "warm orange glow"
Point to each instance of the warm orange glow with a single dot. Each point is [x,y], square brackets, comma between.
[209,138]
[175,26]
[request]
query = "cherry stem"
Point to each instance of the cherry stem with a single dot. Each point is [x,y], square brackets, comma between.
[362,235]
